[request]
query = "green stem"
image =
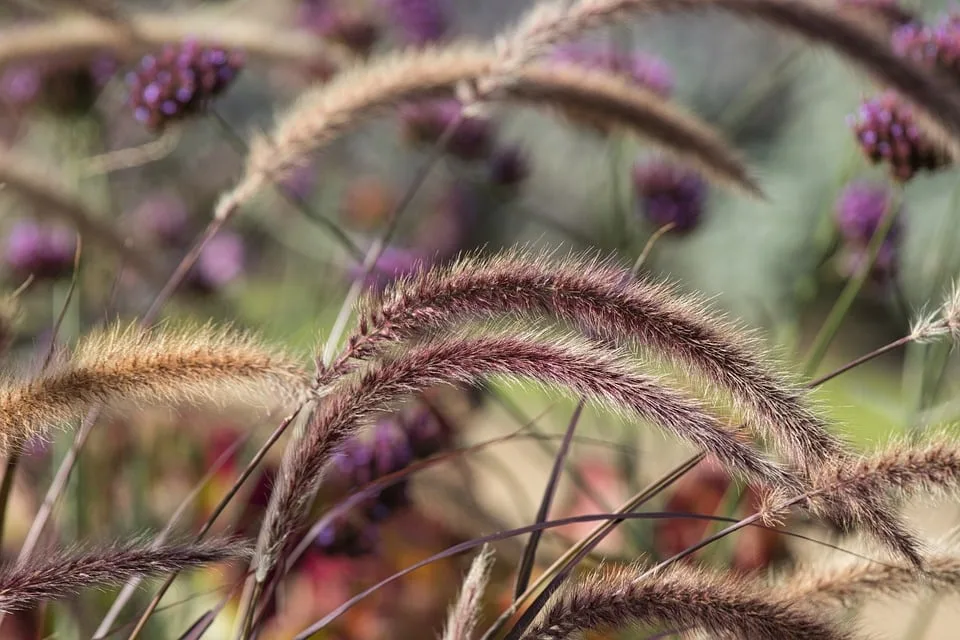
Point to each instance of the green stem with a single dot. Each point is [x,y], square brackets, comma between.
[843,304]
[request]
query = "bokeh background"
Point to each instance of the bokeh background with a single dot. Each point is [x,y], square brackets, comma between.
[516,177]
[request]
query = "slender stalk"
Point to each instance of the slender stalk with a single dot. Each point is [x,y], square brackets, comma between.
[843,304]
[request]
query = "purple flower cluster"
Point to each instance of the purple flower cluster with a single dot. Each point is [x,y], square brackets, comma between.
[46,252]
[180,81]
[859,211]
[396,442]
[934,46]
[353,28]
[668,193]
[887,131]
[645,69]
[420,21]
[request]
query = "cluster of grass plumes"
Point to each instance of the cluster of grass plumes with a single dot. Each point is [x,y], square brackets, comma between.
[62,574]
[603,300]
[123,365]
[325,113]
[682,598]
[588,369]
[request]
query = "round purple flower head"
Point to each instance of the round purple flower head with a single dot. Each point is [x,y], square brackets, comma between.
[668,193]
[888,132]
[420,21]
[645,69]
[220,263]
[859,210]
[180,81]
[425,123]
[44,252]
[162,218]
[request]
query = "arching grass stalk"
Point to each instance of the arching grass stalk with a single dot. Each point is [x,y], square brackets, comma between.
[843,304]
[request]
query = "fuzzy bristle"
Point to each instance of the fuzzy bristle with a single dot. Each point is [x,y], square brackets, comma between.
[592,371]
[60,575]
[125,365]
[462,619]
[680,597]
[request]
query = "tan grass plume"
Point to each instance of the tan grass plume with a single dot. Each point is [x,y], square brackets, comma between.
[595,372]
[323,114]
[678,597]
[462,619]
[125,365]
[554,21]
[54,576]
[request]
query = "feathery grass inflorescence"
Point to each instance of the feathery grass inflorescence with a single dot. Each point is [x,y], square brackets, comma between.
[678,597]
[862,486]
[124,365]
[556,20]
[599,298]
[593,372]
[72,35]
[323,114]
[462,619]
[849,583]
[60,575]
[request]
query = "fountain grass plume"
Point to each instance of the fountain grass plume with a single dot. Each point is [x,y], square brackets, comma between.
[59,575]
[130,364]
[597,372]
[678,597]
[323,114]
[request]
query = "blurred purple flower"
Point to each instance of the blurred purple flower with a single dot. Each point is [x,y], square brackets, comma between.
[888,132]
[668,193]
[852,258]
[935,45]
[645,69]
[220,263]
[397,441]
[180,81]
[162,218]
[425,122]
[859,210]
[392,264]
[47,252]
[420,21]
[20,84]
[508,167]
[355,29]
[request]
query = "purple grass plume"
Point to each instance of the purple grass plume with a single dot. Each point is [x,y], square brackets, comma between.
[668,193]
[419,22]
[180,81]
[645,69]
[891,12]
[425,122]
[46,252]
[887,132]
